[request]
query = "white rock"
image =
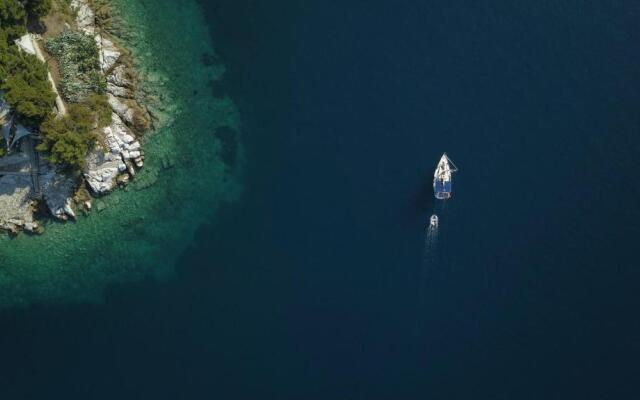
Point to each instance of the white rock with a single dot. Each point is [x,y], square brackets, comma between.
[133,146]
[57,189]
[131,170]
[124,111]
[15,202]
[30,226]
[25,44]
[119,91]
[118,77]
[68,209]
[85,17]
[110,55]
[102,170]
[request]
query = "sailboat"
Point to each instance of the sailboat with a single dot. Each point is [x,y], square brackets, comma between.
[442,177]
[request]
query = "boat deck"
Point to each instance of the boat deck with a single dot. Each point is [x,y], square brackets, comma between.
[442,189]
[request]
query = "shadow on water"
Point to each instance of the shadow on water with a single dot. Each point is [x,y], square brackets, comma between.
[423,198]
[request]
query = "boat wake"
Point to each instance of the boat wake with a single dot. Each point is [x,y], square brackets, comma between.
[430,243]
[431,253]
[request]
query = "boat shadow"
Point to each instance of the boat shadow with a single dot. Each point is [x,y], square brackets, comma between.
[423,200]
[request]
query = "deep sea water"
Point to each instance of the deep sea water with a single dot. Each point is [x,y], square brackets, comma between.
[321,282]
[140,230]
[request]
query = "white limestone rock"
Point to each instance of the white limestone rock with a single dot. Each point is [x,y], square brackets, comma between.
[119,139]
[16,206]
[125,112]
[104,166]
[109,53]
[85,18]
[57,189]
[119,77]
[25,44]
[102,170]
[119,91]
[31,226]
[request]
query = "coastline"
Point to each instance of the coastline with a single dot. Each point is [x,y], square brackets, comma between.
[139,231]
[34,182]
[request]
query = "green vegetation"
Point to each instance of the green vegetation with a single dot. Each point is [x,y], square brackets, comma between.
[25,84]
[103,13]
[101,108]
[22,76]
[79,65]
[38,8]
[13,18]
[68,139]
[14,13]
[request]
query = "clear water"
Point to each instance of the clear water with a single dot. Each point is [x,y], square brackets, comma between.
[141,230]
[321,281]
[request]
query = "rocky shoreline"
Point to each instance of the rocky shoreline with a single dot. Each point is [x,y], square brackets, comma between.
[112,162]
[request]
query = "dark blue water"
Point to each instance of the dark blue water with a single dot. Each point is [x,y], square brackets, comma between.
[319,283]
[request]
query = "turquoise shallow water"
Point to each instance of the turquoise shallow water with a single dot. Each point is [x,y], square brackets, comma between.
[141,230]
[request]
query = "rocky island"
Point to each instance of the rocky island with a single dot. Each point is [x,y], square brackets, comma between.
[70,111]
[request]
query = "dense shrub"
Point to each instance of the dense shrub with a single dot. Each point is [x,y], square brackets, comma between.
[24,80]
[103,13]
[38,8]
[102,110]
[68,139]
[79,65]
[12,18]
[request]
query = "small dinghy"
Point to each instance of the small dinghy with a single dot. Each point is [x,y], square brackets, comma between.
[433,221]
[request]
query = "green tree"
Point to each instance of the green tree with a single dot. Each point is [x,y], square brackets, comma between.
[24,80]
[12,18]
[38,8]
[68,139]
[101,108]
